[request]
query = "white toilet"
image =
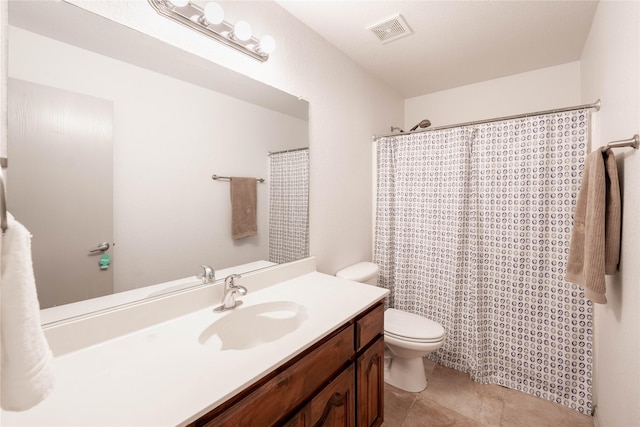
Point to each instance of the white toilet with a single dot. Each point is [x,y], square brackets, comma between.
[408,337]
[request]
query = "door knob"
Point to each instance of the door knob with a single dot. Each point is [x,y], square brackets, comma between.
[102,246]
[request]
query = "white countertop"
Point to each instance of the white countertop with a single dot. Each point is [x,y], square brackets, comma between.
[162,375]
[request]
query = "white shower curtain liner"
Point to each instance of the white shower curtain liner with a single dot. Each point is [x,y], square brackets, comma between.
[472,231]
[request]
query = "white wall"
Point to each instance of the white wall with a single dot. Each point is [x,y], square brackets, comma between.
[537,90]
[169,138]
[4,19]
[610,66]
[347,106]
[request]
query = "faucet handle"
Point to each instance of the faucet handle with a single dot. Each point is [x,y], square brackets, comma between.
[230,290]
[229,281]
[208,274]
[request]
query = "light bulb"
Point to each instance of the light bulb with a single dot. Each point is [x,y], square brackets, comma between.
[213,13]
[178,3]
[242,30]
[267,44]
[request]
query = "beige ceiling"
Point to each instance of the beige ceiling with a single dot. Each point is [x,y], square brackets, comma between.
[454,43]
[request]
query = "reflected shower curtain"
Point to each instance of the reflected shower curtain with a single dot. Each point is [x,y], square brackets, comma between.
[472,230]
[288,206]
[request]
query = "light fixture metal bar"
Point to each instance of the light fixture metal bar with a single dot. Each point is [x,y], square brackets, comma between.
[188,16]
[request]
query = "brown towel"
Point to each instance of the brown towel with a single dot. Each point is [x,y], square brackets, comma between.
[595,238]
[243,207]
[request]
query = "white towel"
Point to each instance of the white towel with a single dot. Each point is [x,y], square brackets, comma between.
[26,370]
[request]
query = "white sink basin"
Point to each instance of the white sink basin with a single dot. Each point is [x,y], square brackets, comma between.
[247,327]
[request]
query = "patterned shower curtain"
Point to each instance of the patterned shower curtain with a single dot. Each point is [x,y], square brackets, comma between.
[288,206]
[472,230]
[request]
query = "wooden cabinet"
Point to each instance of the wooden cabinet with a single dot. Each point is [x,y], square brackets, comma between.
[369,346]
[335,405]
[299,419]
[369,326]
[270,400]
[337,382]
[370,385]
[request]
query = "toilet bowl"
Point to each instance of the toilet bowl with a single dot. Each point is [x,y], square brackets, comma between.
[408,337]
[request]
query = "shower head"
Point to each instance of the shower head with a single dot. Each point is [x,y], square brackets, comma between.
[423,124]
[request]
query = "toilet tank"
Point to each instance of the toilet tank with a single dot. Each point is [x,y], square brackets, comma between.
[363,272]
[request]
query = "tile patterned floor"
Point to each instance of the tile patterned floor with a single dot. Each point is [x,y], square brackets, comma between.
[452,399]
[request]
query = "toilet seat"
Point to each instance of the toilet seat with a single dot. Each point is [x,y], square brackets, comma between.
[408,339]
[411,327]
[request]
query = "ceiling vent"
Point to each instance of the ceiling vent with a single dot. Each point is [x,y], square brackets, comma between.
[391,29]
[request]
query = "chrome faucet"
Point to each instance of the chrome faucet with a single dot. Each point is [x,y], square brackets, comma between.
[230,290]
[208,275]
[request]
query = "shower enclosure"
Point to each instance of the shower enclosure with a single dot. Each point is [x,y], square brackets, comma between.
[472,230]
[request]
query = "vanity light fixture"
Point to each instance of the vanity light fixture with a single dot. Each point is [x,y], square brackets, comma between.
[210,22]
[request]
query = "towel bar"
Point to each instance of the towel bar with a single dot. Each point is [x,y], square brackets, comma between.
[228,178]
[631,142]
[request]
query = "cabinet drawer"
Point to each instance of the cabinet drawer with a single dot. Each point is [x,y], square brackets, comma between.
[369,326]
[271,399]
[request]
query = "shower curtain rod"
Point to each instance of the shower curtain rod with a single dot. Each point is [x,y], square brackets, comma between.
[288,151]
[595,105]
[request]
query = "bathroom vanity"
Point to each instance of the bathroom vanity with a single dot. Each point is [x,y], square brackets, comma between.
[304,349]
[334,383]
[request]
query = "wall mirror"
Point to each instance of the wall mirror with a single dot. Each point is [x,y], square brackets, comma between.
[114,137]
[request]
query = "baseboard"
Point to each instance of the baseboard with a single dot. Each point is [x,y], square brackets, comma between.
[596,419]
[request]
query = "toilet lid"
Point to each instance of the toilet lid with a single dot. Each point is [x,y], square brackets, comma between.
[411,326]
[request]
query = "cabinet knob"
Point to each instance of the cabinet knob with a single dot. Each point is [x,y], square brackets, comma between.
[283,382]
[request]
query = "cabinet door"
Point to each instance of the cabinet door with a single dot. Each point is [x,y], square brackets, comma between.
[300,419]
[334,406]
[370,385]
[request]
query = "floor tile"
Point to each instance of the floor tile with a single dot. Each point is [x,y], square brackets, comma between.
[426,413]
[456,391]
[524,410]
[397,404]
[452,399]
